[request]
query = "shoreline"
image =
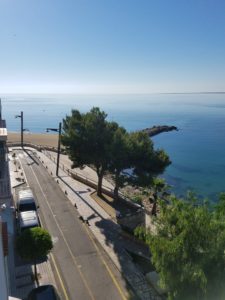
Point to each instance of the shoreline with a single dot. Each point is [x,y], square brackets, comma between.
[42,139]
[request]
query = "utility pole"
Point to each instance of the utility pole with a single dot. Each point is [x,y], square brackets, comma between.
[21,129]
[58,153]
[59,144]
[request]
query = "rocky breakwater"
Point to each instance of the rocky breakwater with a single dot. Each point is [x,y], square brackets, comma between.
[159,129]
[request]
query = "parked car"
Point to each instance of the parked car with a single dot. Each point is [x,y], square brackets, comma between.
[28,219]
[44,292]
[26,201]
[26,208]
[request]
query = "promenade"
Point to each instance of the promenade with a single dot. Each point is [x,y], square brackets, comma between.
[102,226]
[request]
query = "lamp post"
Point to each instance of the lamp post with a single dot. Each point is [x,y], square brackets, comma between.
[21,130]
[59,140]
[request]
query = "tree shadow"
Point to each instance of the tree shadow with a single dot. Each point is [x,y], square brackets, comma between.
[34,161]
[119,205]
[123,248]
[78,194]
[127,250]
[123,245]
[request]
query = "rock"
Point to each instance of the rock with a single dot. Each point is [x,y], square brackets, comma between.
[159,129]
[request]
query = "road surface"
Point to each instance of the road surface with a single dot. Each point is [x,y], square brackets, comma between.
[82,269]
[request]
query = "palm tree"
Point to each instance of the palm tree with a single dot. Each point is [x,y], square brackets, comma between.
[159,191]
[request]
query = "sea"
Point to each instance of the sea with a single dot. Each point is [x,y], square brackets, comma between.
[197,149]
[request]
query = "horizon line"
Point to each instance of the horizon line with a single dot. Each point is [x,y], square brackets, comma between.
[121,93]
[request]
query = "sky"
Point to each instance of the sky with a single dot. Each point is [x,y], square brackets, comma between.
[112,46]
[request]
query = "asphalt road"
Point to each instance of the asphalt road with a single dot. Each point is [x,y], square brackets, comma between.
[81,271]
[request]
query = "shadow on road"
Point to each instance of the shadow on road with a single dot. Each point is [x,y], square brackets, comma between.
[79,195]
[31,156]
[124,247]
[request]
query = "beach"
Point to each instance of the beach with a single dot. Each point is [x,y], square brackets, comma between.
[42,139]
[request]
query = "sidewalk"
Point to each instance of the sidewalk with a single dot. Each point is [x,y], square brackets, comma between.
[86,172]
[105,230]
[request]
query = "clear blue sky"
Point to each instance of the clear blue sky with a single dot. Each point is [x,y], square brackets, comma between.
[112,46]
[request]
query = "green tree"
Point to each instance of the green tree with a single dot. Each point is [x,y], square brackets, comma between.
[119,159]
[87,139]
[146,161]
[159,189]
[188,249]
[91,140]
[33,244]
[135,151]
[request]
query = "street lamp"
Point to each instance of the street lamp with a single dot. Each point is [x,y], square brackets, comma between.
[59,140]
[21,130]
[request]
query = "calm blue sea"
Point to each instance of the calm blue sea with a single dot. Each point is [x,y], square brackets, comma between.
[197,150]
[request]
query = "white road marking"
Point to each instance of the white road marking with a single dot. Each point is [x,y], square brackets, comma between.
[67,245]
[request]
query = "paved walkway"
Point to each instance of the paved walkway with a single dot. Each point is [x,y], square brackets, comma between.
[86,172]
[107,232]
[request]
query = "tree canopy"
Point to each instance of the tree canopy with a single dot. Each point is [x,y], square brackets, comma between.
[91,140]
[33,244]
[87,138]
[145,160]
[135,151]
[119,158]
[188,248]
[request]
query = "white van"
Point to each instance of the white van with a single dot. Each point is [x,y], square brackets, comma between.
[26,210]
[28,219]
[26,201]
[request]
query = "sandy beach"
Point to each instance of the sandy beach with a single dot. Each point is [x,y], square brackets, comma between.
[43,139]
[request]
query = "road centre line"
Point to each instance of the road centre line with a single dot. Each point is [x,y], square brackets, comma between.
[59,277]
[68,247]
[52,256]
[106,266]
[116,283]
[57,271]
